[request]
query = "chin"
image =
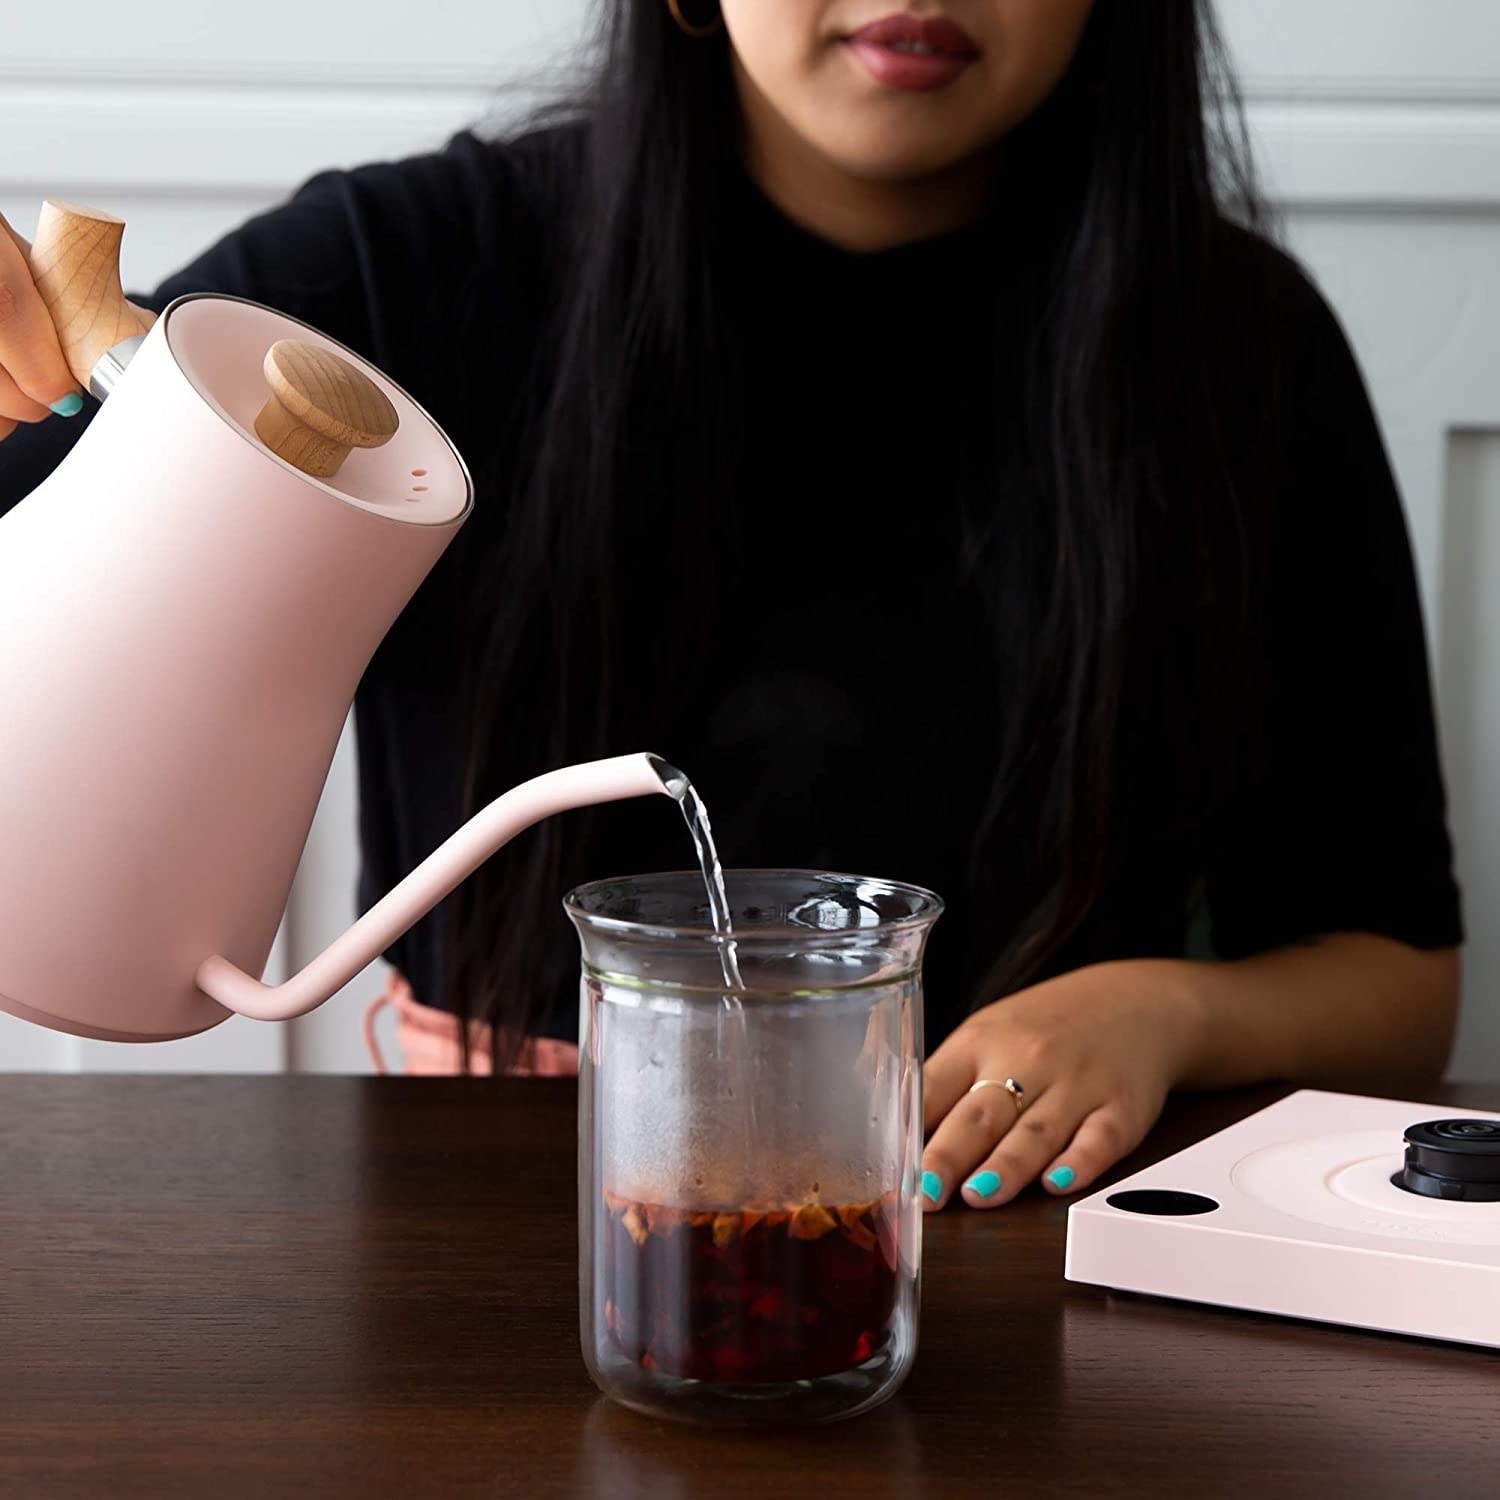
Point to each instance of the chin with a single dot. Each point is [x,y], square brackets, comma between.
[898,158]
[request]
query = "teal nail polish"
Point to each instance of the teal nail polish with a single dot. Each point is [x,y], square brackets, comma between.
[69,405]
[986,1184]
[932,1186]
[1061,1177]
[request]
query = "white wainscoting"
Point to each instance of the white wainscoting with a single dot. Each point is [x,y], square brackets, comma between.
[1378,126]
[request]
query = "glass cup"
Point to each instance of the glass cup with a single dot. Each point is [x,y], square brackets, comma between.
[749,1157]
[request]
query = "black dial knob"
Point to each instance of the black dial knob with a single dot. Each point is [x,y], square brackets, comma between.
[1455,1159]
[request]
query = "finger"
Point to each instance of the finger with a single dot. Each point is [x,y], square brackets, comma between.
[966,1136]
[28,342]
[1101,1140]
[945,1080]
[1020,1154]
[16,404]
[15,236]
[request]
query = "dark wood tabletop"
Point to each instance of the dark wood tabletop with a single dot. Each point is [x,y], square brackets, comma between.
[225,1287]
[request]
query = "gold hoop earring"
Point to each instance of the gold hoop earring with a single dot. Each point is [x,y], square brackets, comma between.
[688,28]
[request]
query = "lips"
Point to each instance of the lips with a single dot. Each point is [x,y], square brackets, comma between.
[917,53]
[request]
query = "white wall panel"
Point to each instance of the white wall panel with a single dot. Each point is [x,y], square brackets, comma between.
[1378,125]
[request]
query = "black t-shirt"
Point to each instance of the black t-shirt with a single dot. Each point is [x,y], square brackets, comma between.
[854,722]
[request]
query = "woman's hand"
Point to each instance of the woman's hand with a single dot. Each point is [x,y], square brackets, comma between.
[34,377]
[1096,1052]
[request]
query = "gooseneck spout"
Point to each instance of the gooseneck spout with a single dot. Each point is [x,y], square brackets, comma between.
[451,862]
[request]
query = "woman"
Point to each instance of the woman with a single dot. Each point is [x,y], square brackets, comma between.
[892,414]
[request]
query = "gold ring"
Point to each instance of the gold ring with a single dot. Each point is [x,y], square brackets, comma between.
[1011,1087]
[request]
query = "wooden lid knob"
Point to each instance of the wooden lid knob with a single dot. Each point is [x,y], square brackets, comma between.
[75,263]
[321,406]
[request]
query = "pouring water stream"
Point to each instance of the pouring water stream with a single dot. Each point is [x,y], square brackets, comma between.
[734,1041]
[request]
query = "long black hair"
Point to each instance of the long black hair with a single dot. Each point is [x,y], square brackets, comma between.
[1142,150]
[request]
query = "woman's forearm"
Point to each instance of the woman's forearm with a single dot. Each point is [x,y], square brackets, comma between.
[1350,1006]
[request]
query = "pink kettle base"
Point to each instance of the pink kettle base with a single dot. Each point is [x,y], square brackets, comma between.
[99,1033]
[1292,1212]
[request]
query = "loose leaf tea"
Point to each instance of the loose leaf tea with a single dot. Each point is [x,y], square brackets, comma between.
[749,1295]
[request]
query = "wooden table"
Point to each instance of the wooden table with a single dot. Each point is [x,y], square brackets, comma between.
[296,1286]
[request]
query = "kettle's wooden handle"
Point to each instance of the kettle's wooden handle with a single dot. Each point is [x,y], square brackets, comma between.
[75,263]
[321,406]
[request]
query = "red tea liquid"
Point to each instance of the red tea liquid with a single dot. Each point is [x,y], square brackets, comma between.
[749,1296]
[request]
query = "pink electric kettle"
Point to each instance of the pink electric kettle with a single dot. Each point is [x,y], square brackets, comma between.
[186,607]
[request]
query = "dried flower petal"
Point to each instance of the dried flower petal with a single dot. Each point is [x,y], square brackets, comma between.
[858,1234]
[665,1220]
[636,1225]
[885,1232]
[851,1213]
[810,1222]
[769,1304]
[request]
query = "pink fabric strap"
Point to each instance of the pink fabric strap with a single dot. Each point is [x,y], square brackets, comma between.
[430,1041]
